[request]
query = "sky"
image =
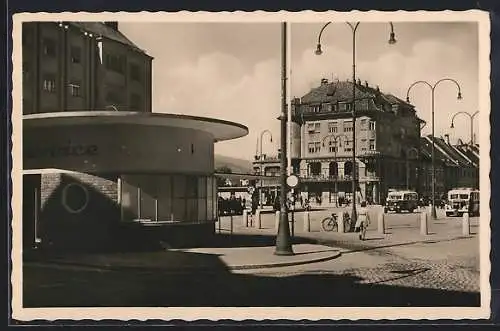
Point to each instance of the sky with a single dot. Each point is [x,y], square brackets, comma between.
[232,71]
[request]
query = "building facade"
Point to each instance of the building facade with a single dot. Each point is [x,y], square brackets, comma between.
[387,141]
[73,66]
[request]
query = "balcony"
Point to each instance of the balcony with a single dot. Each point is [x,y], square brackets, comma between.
[327,178]
[324,178]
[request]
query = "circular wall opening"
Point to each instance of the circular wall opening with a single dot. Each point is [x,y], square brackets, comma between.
[75,198]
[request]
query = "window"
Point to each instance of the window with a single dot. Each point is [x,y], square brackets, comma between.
[327,107]
[49,47]
[76,54]
[49,83]
[317,147]
[332,127]
[348,126]
[316,108]
[135,72]
[115,63]
[333,147]
[310,147]
[314,127]
[310,127]
[314,147]
[372,144]
[74,89]
[372,126]
[344,106]
[135,101]
[395,108]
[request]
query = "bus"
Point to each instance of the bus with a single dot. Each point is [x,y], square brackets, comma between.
[462,200]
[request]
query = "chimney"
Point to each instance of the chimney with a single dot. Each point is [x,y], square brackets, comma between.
[366,83]
[447,138]
[324,81]
[378,89]
[112,25]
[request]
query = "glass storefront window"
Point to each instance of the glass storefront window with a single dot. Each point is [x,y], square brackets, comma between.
[179,209]
[129,201]
[165,198]
[179,188]
[169,198]
[148,206]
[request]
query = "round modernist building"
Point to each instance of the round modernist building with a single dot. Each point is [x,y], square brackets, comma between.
[94,178]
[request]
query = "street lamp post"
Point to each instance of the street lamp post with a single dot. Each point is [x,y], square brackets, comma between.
[392,40]
[261,161]
[433,89]
[283,239]
[471,117]
[336,140]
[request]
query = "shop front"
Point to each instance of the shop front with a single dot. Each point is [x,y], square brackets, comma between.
[95,178]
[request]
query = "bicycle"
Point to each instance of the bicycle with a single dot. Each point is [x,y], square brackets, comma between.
[330,223]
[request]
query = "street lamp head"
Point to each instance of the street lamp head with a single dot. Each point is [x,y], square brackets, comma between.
[318,50]
[459,96]
[392,39]
[452,126]
[408,99]
[271,139]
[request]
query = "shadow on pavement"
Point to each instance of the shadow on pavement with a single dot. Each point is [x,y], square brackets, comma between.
[250,240]
[47,287]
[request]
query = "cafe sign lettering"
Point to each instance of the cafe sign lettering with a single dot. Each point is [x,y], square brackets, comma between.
[67,150]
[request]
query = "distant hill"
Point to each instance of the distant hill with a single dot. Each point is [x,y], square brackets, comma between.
[239,166]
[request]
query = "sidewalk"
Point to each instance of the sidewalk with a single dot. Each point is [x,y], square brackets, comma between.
[397,233]
[195,259]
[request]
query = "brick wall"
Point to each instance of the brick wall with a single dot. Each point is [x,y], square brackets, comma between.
[93,224]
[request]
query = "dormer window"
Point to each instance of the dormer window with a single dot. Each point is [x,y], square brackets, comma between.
[344,106]
[316,108]
[395,108]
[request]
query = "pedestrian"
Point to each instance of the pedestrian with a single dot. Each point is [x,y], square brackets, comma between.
[363,220]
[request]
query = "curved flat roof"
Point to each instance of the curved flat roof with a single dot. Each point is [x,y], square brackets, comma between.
[220,129]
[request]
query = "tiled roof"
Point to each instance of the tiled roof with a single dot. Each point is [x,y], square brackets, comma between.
[334,92]
[451,155]
[450,150]
[342,91]
[426,146]
[470,151]
[101,29]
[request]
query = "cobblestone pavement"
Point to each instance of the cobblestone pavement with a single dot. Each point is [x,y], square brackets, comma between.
[444,260]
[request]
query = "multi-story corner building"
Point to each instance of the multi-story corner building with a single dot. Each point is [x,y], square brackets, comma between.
[387,141]
[71,66]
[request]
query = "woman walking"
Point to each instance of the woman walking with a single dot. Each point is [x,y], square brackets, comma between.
[363,221]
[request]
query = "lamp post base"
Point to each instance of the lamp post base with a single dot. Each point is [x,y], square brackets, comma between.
[284,252]
[433,213]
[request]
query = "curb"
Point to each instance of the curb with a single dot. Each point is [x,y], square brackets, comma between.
[334,255]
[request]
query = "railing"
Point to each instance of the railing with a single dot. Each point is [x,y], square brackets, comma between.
[321,178]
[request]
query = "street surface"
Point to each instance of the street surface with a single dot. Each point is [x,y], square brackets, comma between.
[400,268]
